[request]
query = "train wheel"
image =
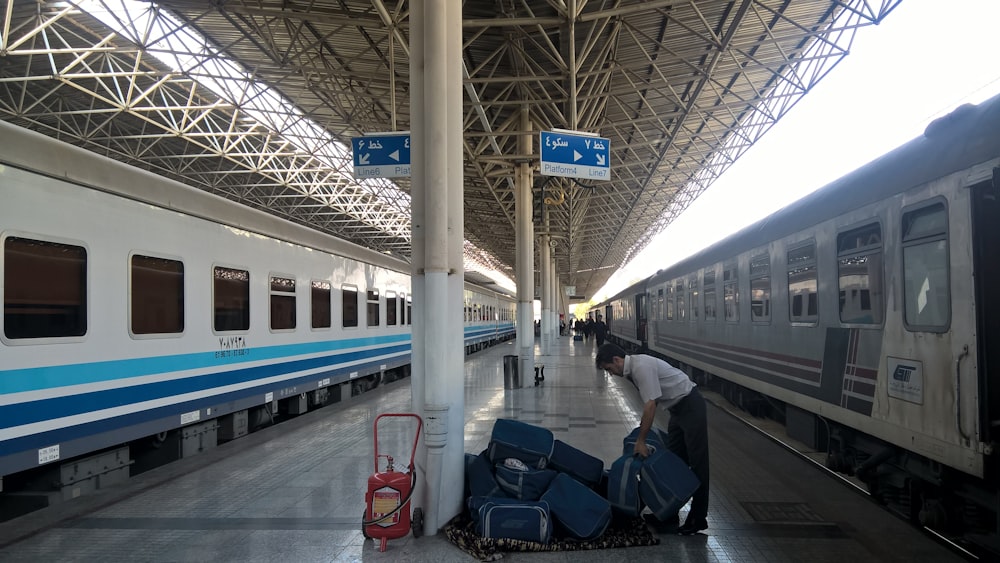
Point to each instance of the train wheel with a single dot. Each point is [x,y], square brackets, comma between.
[417,522]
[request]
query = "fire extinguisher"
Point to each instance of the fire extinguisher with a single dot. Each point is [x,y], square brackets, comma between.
[387,501]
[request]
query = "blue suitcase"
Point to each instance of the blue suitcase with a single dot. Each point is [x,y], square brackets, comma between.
[510,518]
[526,442]
[527,484]
[654,440]
[623,485]
[580,465]
[576,509]
[666,483]
[479,478]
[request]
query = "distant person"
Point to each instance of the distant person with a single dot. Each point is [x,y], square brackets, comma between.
[588,328]
[600,330]
[661,385]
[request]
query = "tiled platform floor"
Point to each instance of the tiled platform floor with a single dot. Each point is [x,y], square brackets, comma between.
[295,492]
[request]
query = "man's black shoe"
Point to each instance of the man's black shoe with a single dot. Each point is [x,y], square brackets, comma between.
[692,527]
[668,526]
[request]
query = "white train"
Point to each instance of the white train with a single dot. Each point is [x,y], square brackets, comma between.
[867,317]
[137,310]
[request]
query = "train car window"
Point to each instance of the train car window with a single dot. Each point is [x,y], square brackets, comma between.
[282,303]
[670,302]
[859,265]
[231,295]
[45,289]
[156,287]
[708,282]
[803,285]
[658,313]
[373,309]
[693,297]
[730,292]
[349,298]
[760,289]
[402,308]
[409,310]
[681,307]
[322,306]
[926,290]
[391,308]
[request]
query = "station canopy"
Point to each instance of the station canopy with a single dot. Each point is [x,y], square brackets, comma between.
[257,101]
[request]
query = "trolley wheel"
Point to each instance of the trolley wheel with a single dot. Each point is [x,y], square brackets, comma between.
[364,529]
[417,522]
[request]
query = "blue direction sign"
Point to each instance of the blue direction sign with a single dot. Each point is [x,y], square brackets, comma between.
[575,155]
[382,155]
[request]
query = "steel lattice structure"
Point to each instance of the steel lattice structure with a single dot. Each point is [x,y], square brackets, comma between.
[256,100]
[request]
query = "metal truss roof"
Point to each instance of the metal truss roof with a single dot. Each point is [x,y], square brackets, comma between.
[256,100]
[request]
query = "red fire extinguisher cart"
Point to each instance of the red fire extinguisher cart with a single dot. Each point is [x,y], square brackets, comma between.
[387,502]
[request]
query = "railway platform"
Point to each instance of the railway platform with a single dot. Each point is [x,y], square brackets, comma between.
[294,492]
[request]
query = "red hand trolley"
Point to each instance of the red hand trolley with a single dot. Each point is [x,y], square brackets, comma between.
[387,502]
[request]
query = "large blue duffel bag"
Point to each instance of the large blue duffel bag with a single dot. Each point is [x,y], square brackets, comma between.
[577,463]
[655,440]
[524,484]
[511,518]
[520,440]
[623,485]
[578,511]
[666,483]
[480,480]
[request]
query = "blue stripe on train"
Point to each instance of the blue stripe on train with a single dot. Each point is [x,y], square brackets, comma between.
[33,379]
[45,409]
[62,435]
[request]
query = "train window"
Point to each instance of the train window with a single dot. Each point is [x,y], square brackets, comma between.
[693,296]
[157,295]
[391,308]
[926,292]
[730,292]
[670,302]
[322,310]
[349,298]
[658,314]
[760,288]
[802,285]
[681,307]
[45,289]
[859,265]
[282,303]
[231,295]
[373,312]
[708,281]
[409,310]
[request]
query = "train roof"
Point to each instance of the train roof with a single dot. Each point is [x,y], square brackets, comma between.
[967,136]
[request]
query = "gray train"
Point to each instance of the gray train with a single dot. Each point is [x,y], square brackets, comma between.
[866,316]
[145,320]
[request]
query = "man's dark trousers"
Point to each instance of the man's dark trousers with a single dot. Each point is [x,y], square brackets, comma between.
[687,436]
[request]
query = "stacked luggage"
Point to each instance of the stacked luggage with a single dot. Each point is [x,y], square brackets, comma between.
[526,485]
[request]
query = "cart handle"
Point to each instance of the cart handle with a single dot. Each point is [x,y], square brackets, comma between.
[416,437]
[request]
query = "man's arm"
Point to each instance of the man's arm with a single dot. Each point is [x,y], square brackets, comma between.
[648,412]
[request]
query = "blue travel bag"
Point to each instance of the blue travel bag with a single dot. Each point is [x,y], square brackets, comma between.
[580,465]
[528,443]
[623,485]
[479,478]
[578,511]
[655,440]
[666,483]
[527,484]
[510,518]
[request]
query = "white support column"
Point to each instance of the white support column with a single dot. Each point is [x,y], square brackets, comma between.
[437,231]
[525,248]
[545,265]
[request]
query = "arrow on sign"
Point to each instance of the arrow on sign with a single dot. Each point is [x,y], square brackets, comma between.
[600,160]
[394,155]
[363,159]
[576,156]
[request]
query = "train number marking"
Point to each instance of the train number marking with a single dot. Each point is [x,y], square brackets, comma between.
[47,454]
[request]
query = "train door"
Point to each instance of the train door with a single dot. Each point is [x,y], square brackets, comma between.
[640,319]
[985,236]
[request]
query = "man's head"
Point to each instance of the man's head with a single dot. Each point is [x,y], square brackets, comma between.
[611,358]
